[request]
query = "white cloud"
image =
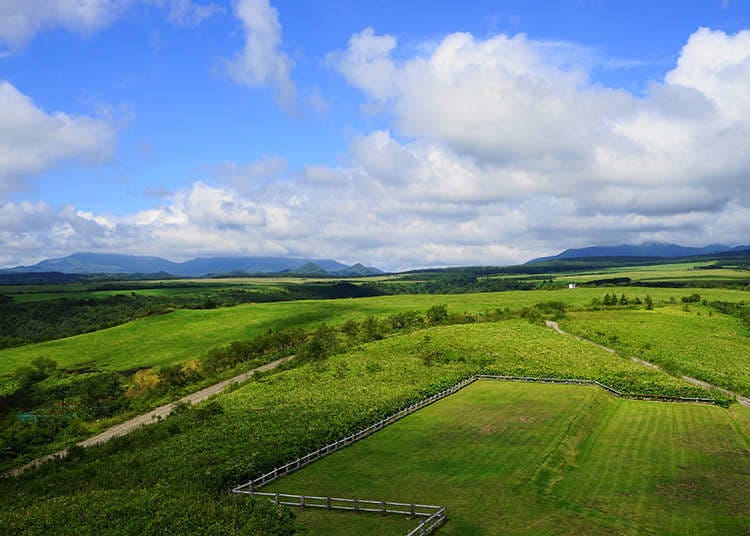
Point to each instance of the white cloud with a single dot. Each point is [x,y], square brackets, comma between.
[32,140]
[261,62]
[21,20]
[186,13]
[499,151]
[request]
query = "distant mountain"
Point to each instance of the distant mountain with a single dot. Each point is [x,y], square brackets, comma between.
[107,263]
[359,270]
[307,269]
[649,249]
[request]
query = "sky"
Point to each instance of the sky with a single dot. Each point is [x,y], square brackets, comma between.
[396,134]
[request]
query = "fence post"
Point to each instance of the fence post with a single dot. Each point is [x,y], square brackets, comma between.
[356,506]
[383,507]
[412,511]
[276,498]
[302,501]
[328,503]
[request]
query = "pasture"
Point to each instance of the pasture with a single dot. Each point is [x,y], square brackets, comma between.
[713,348]
[690,271]
[510,458]
[174,475]
[186,334]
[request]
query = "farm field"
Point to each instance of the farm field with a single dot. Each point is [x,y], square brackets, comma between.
[186,334]
[712,348]
[663,272]
[182,468]
[511,458]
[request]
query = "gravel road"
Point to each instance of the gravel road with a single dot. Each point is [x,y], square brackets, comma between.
[152,416]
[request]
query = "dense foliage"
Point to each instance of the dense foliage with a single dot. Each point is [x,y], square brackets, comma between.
[36,321]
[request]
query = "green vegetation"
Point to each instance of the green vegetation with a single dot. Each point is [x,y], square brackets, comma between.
[546,459]
[574,461]
[36,320]
[696,342]
[185,334]
[194,457]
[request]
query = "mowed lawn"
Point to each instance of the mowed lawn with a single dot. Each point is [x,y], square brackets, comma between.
[512,458]
[187,334]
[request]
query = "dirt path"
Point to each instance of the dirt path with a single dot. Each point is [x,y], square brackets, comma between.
[152,416]
[700,383]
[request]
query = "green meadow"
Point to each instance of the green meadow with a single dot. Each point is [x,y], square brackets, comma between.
[696,342]
[174,476]
[185,334]
[510,458]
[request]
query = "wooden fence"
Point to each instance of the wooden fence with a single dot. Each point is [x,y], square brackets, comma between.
[611,390]
[435,514]
[307,459]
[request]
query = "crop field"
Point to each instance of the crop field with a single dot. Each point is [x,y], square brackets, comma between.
[186,334]
[511,458]
[183,467]
[663,272]
[712,348]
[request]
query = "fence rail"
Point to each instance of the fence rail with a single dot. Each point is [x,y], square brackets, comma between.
[435,515]
[353,505]
[307,459]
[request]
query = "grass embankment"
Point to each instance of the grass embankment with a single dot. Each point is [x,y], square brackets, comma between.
[714,348]
[187,334]
[512,458]
[184,466]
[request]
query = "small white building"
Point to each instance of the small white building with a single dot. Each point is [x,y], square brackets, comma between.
[571,285]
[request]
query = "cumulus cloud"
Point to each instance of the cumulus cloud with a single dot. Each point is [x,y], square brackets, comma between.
[499,151]
[261,62]
[506,117]
[21,20]
[32,140]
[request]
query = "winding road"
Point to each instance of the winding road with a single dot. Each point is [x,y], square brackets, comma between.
[700,383]
[152,416]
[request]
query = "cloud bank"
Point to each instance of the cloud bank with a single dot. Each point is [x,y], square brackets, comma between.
[499,149]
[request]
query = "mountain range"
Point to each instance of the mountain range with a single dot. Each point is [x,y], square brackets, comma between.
[648,249]
[108,263]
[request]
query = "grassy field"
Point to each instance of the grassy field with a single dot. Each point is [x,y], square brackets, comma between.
[511,458]
[173,476]
[186,334]
[713,348]
[663,272]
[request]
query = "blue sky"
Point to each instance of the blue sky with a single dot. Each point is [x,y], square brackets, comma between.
[400,134]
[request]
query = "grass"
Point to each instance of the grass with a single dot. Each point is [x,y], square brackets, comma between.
[183,467]
[511,458]
[712,348]
[185,334]
[662,272]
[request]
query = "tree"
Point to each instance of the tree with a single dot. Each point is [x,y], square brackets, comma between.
[172,376]
[437,314]
[102,394]
[320,345]
[649,303]
[623,299]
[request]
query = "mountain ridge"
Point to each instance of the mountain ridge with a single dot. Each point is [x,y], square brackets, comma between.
[664,250]
[116,263]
